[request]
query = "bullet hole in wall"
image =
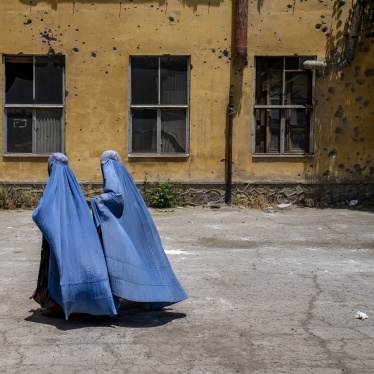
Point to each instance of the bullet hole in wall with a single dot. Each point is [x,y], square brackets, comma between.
[340,112]
[48,35]
[339,132]
[332,153]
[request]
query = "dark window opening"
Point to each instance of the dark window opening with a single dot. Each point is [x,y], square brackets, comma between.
[34,104]
[283,106]
[159,105]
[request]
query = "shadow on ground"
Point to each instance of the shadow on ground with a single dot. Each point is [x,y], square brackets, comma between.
[133,315]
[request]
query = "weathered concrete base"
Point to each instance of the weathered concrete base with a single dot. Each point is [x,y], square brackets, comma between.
[269,293]
[305,193]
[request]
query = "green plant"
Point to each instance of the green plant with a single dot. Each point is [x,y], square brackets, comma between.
[163,195]
[18,198]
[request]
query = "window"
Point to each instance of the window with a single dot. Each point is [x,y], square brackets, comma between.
[159,106]
[33,105]
[283,106]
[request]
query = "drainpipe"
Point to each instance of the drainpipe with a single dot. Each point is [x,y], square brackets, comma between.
[230,111]
[350,47]
[239,63]
[240,58]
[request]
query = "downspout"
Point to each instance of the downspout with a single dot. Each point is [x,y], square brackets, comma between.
[239,63]
[350,47]
[240,58]
[230,113]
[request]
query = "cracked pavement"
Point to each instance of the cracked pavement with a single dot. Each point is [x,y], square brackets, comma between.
[268,293]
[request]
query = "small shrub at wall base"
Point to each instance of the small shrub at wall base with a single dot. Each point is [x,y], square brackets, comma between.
[163,195]
[18,198]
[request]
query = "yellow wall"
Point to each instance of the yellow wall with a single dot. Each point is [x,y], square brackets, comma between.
[277,28]
[97,37]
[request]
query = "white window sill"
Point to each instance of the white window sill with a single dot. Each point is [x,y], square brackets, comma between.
[27,155]
[283,155]
[158,155]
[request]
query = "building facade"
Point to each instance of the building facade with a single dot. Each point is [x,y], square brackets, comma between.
[158,82]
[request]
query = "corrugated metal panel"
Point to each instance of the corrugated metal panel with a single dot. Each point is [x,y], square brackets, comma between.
[48,128]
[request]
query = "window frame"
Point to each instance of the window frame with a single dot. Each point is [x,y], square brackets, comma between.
[284,108]
[33,107]
[158,108]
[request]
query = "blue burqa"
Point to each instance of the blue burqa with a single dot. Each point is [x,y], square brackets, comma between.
[78,277]
[138,267]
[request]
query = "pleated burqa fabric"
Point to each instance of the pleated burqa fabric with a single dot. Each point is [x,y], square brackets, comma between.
[78,277]
[138,267]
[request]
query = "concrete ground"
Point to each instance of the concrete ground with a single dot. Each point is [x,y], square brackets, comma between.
[269,292]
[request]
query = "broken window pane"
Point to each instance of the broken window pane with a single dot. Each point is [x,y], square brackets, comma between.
[262,87]
[173,131]
[18,83]
[298,117]
[274,63]
[274,126]
[261,120]
[48,130]
[275,116]
[298,138]
[173,80]
[297,87]
[276,87]
[282,82]
[292,63]
[48,81]
[19,131]
[144,130]
[144,80]
[274,138]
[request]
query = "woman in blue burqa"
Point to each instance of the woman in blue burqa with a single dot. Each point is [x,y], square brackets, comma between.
[138,267]
[73,277]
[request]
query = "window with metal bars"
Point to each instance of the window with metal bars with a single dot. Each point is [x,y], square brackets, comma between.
[284,106]
[33,102]
[159,106]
